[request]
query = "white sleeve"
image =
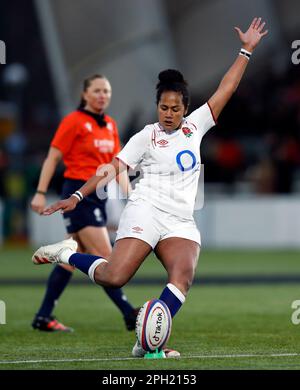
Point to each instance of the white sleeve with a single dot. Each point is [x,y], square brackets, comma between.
[202,118]
[133,151]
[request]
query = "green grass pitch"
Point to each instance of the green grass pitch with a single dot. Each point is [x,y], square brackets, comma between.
[233,326]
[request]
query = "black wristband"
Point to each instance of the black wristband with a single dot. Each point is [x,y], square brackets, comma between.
[41,192]
[79,195]
[247,54]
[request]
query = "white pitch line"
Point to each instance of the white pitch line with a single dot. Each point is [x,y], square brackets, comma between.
[132,358]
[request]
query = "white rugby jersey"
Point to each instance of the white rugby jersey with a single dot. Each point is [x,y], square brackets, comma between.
[170,162]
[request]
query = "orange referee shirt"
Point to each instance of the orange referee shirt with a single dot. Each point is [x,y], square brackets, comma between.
[85,145]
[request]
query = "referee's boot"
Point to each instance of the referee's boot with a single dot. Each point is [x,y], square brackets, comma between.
[130,319]
[49,324]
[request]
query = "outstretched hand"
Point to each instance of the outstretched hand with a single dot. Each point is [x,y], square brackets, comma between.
[251,38]
[62,205]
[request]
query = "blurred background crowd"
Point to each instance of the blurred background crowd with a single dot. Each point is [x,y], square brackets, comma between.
[256,147]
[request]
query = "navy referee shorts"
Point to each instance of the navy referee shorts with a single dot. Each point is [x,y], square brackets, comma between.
[90,211]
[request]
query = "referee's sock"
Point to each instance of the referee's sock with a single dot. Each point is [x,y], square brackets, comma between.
[120,299]
[173,298]
[57,282]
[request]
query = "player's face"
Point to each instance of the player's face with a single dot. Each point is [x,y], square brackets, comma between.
[98,95]
[171,110]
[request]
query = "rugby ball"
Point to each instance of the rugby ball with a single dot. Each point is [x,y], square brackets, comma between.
[153,325]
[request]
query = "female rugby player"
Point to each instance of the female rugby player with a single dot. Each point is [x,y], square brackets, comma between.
[159,214]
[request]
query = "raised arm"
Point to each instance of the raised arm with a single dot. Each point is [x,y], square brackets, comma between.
[103,176]
[250,39]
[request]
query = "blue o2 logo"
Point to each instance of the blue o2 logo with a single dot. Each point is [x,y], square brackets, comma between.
[179,157]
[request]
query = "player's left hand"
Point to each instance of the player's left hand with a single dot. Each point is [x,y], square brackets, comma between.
[251,38]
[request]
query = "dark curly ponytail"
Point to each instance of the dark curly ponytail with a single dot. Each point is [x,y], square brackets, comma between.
[172,80]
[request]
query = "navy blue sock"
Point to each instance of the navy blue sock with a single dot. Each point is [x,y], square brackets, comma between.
[120,299]
[173,298]
[57,282]
[82,261]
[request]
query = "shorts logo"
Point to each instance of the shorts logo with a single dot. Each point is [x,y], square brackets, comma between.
[162,143]
[137,229]
[98,215]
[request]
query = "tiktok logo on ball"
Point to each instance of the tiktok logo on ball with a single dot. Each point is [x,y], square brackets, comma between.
[296,54]
[296,314]
[186,160]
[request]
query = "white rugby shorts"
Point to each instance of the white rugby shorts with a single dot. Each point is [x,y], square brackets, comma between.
[140,219]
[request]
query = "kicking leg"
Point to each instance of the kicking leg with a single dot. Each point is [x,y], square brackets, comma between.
[127,256]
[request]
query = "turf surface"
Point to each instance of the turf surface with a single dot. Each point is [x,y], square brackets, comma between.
[219,327]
